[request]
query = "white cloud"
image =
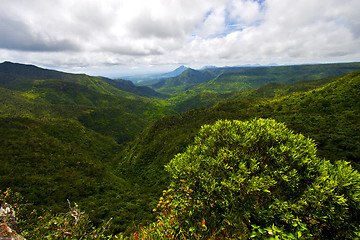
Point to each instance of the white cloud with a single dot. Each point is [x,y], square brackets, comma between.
[245,12]
[139,33]
[214,23]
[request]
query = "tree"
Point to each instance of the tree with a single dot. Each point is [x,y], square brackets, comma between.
[258,179]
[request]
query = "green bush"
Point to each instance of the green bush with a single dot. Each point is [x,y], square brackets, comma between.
[257,179]
[74,224]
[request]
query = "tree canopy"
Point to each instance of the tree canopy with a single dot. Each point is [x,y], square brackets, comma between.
[258,179]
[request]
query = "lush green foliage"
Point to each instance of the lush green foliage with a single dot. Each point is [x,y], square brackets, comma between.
[225,80]
[73,224]
[46,93]
[60,135]
[258,179]
[49,151]
[329,115]
[49,161]
[270,90]
[187,79]
[128,86]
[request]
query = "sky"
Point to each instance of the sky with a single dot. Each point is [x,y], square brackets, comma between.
[127,37]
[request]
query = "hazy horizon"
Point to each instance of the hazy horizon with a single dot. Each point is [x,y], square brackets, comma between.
[119,38]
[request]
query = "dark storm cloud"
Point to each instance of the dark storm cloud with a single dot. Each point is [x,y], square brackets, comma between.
[16,35]
[141,33]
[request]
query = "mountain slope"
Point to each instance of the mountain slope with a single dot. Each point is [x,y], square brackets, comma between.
[29,91]
[113,116]
[150,79]
[23,77]
[128,86]
[188,79]
[330,115]
[49,161]
[59,135]
[254,77]
[20,76]
[226,80]
[269,90]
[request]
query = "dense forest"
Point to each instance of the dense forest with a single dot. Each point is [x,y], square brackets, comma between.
[115,149]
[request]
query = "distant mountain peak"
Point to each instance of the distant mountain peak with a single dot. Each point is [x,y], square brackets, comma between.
[16,64]
[181,68]
[7,64]
[27,70]
[157,77]
[178,71]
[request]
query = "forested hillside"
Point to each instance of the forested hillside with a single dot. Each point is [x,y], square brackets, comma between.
[150,79]
[329,115]
[269,90]
[256,179]
[29,91]
[60,133]
[225,80]
[104,143]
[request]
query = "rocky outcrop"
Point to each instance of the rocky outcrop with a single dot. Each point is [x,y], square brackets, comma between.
[8,222]
[6,233]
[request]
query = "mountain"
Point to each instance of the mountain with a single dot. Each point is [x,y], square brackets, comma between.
[103,143]
[269,90]
[129,86]
[229,79]
[328,114]
[246,79]
[13,70]
[187,79]
[20,76]
[147,79]
[176,72]
[60,133]
[94,101]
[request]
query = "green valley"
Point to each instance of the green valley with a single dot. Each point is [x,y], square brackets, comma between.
[104,143]
[224,80]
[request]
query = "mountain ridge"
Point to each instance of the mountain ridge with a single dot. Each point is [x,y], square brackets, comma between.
[62,139]
[226,80]
[318,114]
[20,76]
[148,79]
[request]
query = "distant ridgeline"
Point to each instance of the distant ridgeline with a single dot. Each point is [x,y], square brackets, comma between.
[60,133]
[192,84]
[328,113]
[148,79]
[103,143]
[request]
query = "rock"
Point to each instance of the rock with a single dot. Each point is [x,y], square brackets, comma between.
[6,233]
[8,223]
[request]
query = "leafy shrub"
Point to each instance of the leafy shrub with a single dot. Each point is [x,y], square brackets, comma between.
[10,203]
[73,224]
[44,224]
[257,179]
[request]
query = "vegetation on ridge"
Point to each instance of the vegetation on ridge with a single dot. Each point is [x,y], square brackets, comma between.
[68,136]
[327,115]
[256,179]
[226,80]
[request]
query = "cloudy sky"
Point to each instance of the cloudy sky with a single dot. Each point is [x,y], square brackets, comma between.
[123,37]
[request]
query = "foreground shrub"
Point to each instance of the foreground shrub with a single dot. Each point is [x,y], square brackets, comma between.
[256,179]
[73,224]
